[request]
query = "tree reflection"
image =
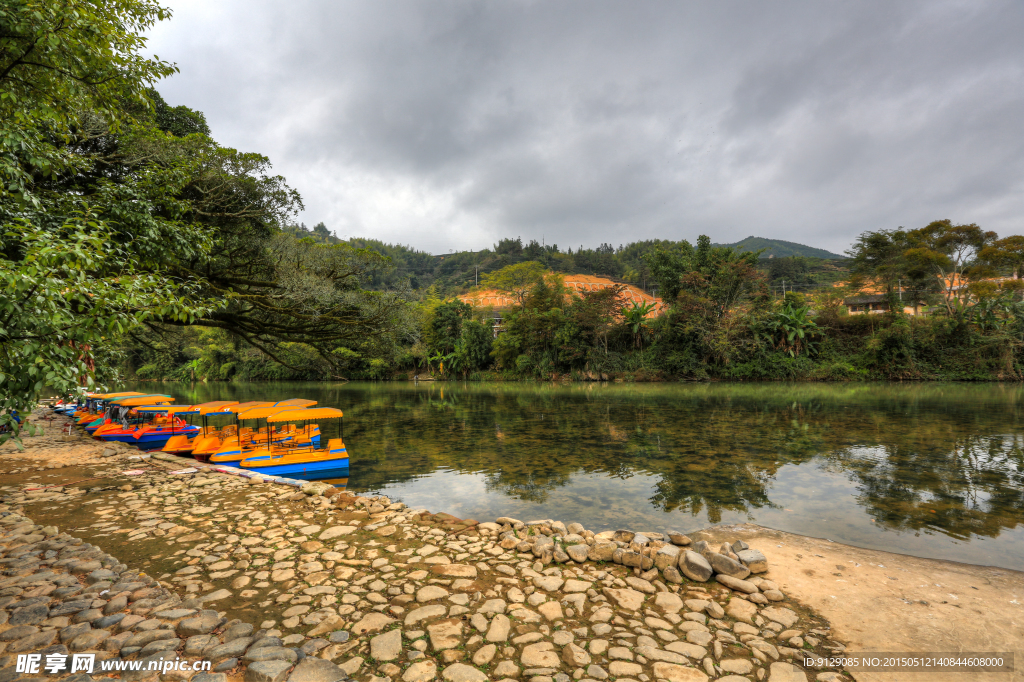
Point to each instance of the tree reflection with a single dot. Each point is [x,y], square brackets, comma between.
[941,457]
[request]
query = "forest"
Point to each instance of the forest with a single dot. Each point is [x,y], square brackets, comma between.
[137,246]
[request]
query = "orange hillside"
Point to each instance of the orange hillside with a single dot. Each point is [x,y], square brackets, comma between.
[490,298]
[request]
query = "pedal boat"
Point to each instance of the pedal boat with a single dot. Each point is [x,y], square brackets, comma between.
[301,460]
[248,440]
[155,435]
[184,444]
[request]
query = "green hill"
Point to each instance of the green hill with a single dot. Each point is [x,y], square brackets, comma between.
[781,248]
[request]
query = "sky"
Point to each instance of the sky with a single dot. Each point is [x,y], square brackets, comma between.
[447,125]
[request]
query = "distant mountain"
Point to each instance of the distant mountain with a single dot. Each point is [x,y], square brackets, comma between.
[780,248]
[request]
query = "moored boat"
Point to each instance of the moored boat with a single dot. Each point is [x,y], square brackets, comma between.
[300,459]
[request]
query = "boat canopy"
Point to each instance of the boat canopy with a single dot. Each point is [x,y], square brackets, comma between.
[306,415]
[169,409]
[216,407]
[295,402]
[242,407]
[266,412]
[138,401]
[106,396]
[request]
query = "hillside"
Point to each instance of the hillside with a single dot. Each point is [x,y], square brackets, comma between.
[780,248]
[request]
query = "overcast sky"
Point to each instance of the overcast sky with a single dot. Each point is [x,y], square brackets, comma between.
[446,125]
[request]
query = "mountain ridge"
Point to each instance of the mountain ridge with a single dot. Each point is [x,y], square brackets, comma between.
[780,248]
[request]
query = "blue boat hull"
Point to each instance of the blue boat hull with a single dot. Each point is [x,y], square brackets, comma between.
[309,471]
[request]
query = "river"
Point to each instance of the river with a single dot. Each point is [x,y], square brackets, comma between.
[931,470]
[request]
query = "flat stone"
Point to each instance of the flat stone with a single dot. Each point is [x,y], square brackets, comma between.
[420,671]
[270,653]
[312,669]
[499,629]
[540,655]
[430,593]
[387,646]
[753,559]
[336,531]
[677,538]
[423,613]
[786,672]
[780,615]
[445,634]
[740,666]
[460,672]
[736,584]
[548,583]
[454,570]
[678,673]
[668,602]
[628,599]
[686,649]
[573,586]
[624,669]
[551,610]
[372,622]
[741,609]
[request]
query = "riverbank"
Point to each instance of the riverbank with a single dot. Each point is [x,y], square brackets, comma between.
[388,592]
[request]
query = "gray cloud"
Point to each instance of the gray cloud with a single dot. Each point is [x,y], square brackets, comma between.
[448,124]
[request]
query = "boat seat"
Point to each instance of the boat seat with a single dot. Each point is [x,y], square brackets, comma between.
[335,444]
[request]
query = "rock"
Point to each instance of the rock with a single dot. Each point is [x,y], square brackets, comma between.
[312,669]
[352,665]
[551,610]
[714,609]
[736,583]
[430,593]
[505,670]
[628,599]
[741,609]
[578,553]
[373,622]
[667,556]
[677,538]
[624,669]
[420,671]
[485,654]
[267,671]
[678,673]
[460,672]
[422,613]
[780,615]
[445,634]
[786,672]
[548,583]
[574,656]
[336,531]
[540,655]
[623,536]
[753,559]
[499,629]
[694,566]
[454,570]
[640,585]
[270,653]
[601,551]
[726,565]
[387,646]
[573,586]
[672,575]
[686,649]
[493,606]
[740,666]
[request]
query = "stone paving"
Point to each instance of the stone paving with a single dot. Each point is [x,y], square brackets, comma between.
[270,580]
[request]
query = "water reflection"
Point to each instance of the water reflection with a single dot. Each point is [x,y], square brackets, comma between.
[920,468]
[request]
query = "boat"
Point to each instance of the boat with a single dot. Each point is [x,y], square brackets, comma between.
[107,424]
[184,444]
[155,435]
[301,459]
[211,438]
[237,448]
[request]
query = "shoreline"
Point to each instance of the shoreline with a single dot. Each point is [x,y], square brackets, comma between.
[309,506]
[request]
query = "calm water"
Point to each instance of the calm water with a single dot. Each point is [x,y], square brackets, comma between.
[932,470]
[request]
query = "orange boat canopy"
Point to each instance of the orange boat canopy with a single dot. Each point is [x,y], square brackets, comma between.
[113,395]
[169,409]
[306,415]
[296,402]
[145,400]
[264,412]
[216,406]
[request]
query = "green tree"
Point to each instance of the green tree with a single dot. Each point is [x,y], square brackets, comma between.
[515,280]
[446,325]
[948,251]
